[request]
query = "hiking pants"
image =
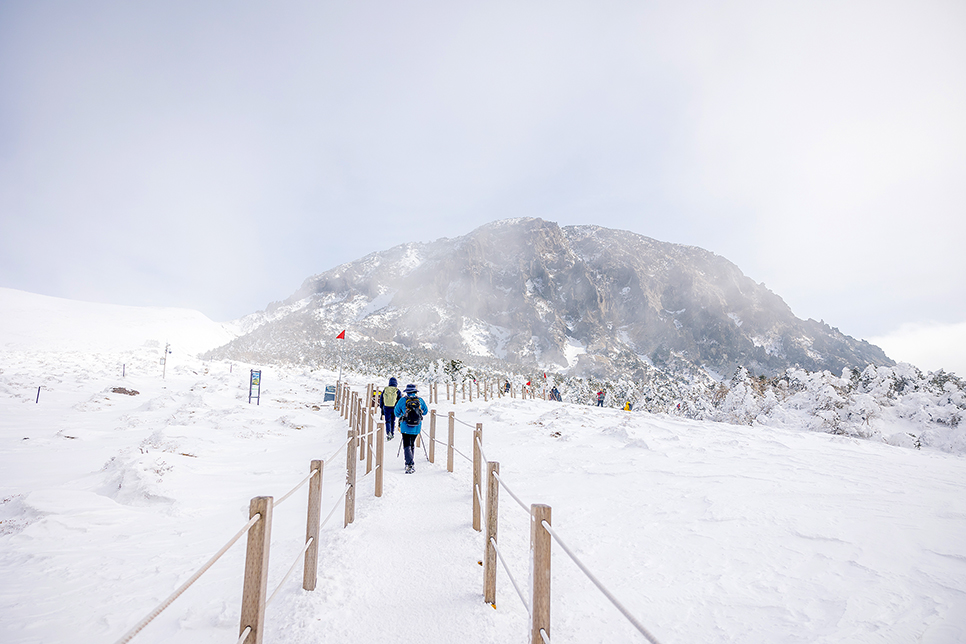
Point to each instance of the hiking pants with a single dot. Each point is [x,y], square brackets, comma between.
[390,416]
[409,445]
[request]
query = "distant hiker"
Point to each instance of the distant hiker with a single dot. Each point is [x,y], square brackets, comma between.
[628,406]
[389,398]
[410,411]
[600,398]
[555,394]
[506,387]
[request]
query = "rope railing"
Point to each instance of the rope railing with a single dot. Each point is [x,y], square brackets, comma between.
[506,569]
[336,452]
[298,559]
[335,507]
[177,593]
[640,627]
[510,492]
[463,455]
[296,488]
[244,635]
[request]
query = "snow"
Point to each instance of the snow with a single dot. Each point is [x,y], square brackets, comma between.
[706,531]
[573,350]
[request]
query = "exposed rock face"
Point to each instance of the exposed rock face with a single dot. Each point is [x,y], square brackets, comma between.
[585,299]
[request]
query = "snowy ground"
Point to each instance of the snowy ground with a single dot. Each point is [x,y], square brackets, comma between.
[707,532]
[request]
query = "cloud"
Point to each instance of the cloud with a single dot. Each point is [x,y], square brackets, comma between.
[930,346]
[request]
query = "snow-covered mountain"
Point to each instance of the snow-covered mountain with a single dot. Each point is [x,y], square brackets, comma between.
[585,300]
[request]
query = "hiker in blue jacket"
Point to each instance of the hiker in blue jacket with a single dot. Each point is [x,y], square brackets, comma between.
[410,411]
[390,396]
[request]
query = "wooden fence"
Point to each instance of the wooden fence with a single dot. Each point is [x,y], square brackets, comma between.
[365,441]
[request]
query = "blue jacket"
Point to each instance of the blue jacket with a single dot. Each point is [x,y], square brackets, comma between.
[400,411]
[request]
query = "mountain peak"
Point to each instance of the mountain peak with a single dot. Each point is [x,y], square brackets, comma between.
[584,299]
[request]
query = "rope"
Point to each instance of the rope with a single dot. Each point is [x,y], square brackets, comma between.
[335,507]
[510,575]
[244,635]
[336,453]
[462,454]
[476,490]
[600,586]
[294,489]
[544,636]
[167,602]
[482,455]
[510,492]
[298,558]
[462,423]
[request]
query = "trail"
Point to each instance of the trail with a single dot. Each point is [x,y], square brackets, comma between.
[405,571]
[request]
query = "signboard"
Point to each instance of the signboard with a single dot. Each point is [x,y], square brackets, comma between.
[255,387]
[329,393]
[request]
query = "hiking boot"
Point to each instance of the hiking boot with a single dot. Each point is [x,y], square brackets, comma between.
[410,469]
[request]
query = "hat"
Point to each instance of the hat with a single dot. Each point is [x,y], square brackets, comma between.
[392,382]
[411,389]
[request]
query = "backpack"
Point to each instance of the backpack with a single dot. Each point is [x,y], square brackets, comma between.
[389,396]
[414,412]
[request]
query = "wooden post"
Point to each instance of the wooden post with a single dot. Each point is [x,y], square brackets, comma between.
[492,519]
[338,393]
[540,574]
[369,437]
[464,390]
[361,421]
[311,569]
[485,385]
[447,392]
[380,455]
[471,391]
[449,444]
[477,477]
[432,435]
[351,463]
[256,569]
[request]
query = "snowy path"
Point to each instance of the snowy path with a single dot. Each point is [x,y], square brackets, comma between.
[406,571]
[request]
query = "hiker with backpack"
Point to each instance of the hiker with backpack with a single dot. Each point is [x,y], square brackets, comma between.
[390,396]
[600,398]
[410,411]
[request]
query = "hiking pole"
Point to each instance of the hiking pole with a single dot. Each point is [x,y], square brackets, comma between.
[423,443]
[399,449]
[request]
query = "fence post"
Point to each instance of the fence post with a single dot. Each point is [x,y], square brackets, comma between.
[372,427]
[540,573]
[380,455]
[471,391]
[447,392]
[477,477]
[362,430]
[492,518]
[350,476]
[256,569]
[432,435]
[311,571]
[450,441]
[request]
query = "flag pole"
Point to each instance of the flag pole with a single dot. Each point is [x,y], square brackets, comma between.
[341,336]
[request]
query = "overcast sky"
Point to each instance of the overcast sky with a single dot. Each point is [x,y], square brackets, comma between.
[214,155]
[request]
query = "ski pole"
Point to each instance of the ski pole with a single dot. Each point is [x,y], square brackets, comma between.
[399,449]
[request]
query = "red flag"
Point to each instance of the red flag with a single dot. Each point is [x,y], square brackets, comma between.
[528,383]
[341,336]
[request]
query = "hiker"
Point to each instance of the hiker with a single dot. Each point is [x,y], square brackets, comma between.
[555,394]
[628,406]
[410,411]
[388,400]
[600,398]
[506,387]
